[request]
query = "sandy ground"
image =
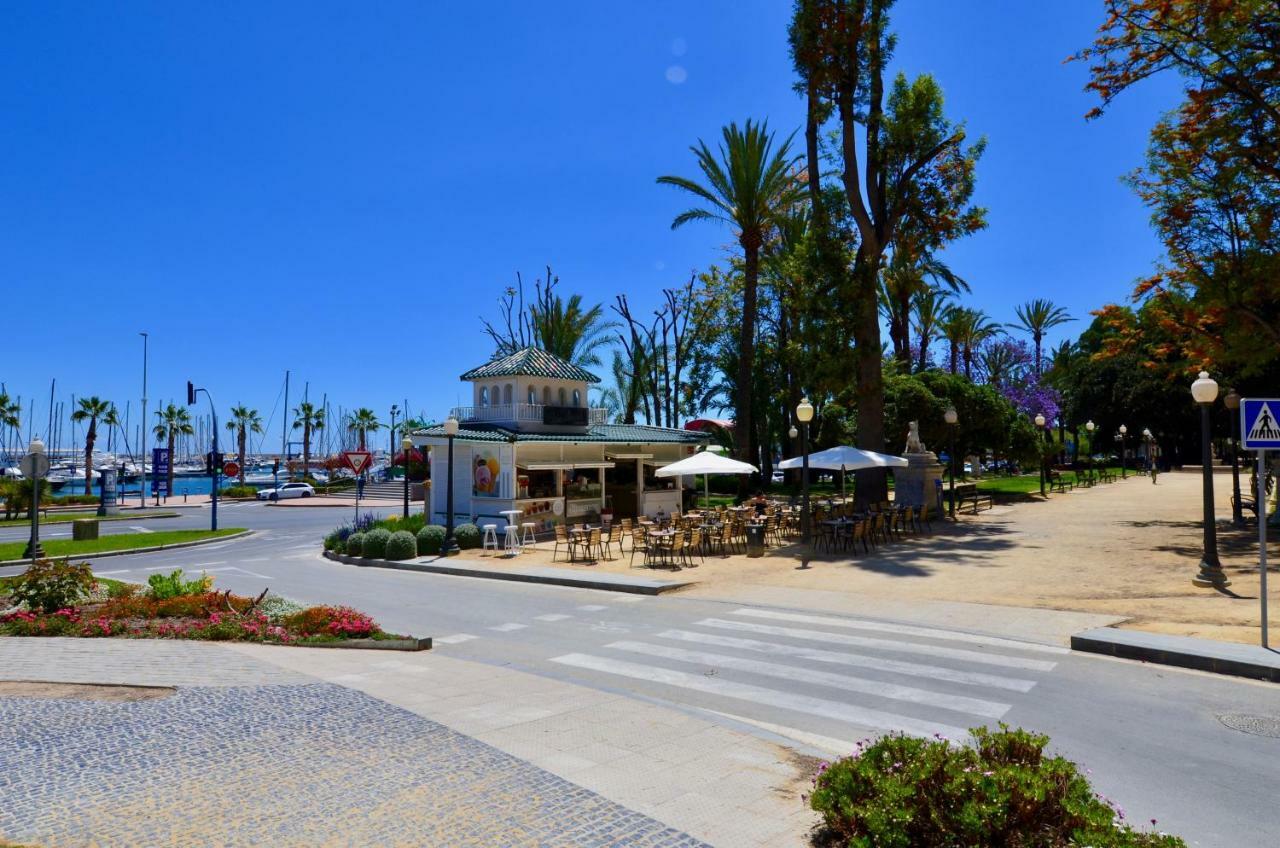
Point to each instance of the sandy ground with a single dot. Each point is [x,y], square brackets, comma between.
[1127,548]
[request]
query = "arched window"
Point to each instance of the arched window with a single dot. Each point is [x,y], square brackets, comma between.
[533,396]
[484,396]
[562,397]
[506,394]
[546,395]
[577,398]
[495,394]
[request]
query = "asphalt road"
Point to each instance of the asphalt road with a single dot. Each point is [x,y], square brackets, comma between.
[1151,736]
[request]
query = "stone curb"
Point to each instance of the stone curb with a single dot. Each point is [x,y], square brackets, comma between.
[149,550]
[374,644]
[1251,661]
[655,588]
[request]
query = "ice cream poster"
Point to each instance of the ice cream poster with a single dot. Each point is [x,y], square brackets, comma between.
[484,474]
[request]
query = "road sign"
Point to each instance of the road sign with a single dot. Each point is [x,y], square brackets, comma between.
[357,460]
[1260,423]
[231,469]
[160,471]
[34,466]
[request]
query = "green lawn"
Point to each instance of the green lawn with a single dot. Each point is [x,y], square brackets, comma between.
[1024,484]
[120,542]
[68,517]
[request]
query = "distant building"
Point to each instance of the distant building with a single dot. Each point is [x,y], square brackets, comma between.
[529,441]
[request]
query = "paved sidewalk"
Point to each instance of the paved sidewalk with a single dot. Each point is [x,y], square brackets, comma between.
[292,746]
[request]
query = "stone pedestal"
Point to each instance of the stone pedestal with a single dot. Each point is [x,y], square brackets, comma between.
[917,484]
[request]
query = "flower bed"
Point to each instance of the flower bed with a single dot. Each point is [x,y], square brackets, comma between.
[57,598]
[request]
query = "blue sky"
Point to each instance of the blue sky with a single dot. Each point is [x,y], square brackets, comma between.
[343,189]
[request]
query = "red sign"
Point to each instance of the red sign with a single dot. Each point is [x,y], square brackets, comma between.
[357,460]
[231,469]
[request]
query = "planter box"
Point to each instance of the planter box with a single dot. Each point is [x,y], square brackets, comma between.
[84,529]
[376,644]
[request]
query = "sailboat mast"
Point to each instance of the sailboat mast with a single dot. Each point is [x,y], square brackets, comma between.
[284,422]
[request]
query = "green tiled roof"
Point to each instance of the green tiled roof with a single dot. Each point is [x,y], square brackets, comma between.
[531,362]
[629,434]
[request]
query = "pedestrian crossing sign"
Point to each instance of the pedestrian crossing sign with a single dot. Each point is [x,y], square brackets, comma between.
[1259,424]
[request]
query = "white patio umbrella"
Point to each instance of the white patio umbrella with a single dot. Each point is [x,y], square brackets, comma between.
[845,458]
[705,463]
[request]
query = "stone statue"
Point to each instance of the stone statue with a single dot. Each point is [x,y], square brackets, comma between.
[914,445]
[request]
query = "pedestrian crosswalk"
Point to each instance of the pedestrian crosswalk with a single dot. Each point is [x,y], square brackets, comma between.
[825,677]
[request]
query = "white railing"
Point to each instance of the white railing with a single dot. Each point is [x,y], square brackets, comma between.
[525,413]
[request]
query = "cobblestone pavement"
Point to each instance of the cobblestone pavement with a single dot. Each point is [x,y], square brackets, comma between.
[311,764]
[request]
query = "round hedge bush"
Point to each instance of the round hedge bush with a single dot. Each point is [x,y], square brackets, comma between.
[402,545]
[468,536]
[355,544]
[375,543]
[430,538]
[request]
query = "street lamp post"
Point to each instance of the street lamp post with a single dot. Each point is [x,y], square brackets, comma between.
[1089,427]
[391,437]
[450,545]
[952,418]
[1232,400]
[35,465]
[215,467]
[1149,441]
[804,414]
[1040,422]
[1123,452]
[406,444]
[1204,390]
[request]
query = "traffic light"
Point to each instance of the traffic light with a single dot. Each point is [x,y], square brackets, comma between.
[191,393]
[213,460]
[275,467]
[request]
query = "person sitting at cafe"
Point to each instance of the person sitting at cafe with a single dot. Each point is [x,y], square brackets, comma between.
[759,502]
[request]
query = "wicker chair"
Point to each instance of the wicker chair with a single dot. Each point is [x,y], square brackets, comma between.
[562,538]
[639,542]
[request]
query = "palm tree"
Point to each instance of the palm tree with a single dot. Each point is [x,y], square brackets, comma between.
[750,187]
[308,418]
[90,409]
[362,422]
[570,332]
[1037,317]
[931,312]
[243,422]
[966,330]
[112,421]
[907,276]
[10,417]
[172,421]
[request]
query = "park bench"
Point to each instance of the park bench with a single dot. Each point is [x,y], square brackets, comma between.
[1249,504]
[1058,483]
[968,493]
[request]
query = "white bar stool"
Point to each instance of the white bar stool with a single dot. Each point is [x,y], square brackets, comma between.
[529,534]
[511,541]
[490,537]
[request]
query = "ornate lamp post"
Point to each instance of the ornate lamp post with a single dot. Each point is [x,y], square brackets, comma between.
[406,445]
[1040,422]
[1089,427]
[1205,391]
[952,419]
[1232,401]
[450,545]
[804,414]
[35,465]
[1124,431]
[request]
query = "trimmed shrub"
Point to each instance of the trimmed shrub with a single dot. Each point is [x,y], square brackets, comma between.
[355,544]
[430,538]
[165,586]
[49,585]
[904,792]
[336,539]
[468,536]
[402,545]
[238,492]
[375,543]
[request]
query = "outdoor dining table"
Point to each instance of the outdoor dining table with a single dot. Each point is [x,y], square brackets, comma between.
[581,539]
[660,541]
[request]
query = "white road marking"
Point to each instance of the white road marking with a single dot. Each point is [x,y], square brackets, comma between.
[838,747]
[116,571]
[242,571]
[880,689]
[203,564]
[140,529]
[858,716]
[554,616]
[456,639]
[592,607]
[627,599]
[882,644]
[257,559]
[508,627]
[903,629]
[972,678]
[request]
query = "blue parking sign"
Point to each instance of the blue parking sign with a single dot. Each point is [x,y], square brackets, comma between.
[1260,423]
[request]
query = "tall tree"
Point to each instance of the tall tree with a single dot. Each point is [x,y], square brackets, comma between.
[90,409]
[916,168]
[567,328]
[1037,317]
[172,421]
[10,418]
[908,275]
[310,419]
[362,422]
[749,185]
[930,313]
[243,422]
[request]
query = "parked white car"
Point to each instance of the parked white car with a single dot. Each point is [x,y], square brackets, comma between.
[287,490]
